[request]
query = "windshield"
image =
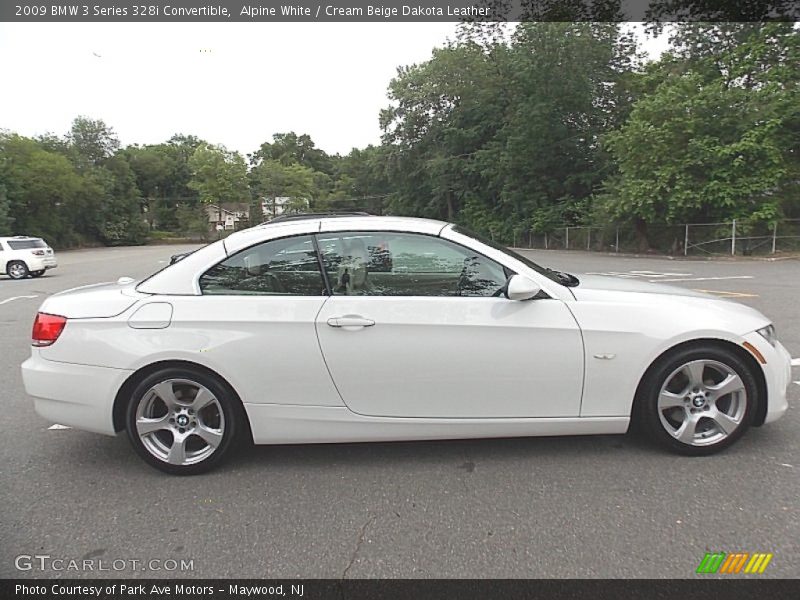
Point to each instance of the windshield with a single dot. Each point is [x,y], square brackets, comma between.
[557,276]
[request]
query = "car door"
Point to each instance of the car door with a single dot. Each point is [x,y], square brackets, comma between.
[256,317]
[416,328]
[3,258]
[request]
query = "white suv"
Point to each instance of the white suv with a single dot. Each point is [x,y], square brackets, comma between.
[21,256]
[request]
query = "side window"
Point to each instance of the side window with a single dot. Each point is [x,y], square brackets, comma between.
[283,267]
[404,264]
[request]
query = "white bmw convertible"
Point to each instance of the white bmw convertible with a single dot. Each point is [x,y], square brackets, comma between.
[355,328]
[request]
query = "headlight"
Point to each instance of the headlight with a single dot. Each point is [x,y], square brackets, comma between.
[768,333]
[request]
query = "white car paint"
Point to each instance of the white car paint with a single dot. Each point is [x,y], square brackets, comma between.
[638,321]
[286,424]
[455,357]
[40,258]
[431,367]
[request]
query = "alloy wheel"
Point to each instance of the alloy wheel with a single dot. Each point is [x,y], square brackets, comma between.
[180,422]
[702,402]
[17,270]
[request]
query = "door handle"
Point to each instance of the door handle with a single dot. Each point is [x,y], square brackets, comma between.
[350,321]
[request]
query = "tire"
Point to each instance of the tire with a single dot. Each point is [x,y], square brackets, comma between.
[17,269]
[698,400]
[37,273]
[163,408]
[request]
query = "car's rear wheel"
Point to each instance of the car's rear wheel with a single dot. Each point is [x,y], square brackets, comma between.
[17,269]
[37,273]
[699,400]
[183,421]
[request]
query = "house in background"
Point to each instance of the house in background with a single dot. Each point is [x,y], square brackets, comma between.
[236,215]
[228,215]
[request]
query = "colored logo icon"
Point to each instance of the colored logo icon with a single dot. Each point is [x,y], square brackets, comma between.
[734,562]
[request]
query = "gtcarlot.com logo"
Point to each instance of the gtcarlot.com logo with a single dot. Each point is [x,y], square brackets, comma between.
[46,562]
[734,562]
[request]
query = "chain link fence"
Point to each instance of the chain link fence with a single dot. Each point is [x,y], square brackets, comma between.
[690,239]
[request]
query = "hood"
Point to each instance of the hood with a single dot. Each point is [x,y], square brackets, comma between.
[625,284]
[94,301]
[642,301]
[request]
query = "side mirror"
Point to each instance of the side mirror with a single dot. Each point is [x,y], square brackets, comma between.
[519,287]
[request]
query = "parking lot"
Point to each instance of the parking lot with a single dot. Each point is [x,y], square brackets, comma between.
[604,506]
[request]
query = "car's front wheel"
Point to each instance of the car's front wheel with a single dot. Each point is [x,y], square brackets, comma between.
[699,400]
[17,269]
[183,421]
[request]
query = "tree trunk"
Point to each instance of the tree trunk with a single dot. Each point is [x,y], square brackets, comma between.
[450,209]
[641,234]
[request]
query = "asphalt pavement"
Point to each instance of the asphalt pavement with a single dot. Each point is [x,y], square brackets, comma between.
[602,506]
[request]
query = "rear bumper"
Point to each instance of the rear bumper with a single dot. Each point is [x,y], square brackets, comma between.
[79,396]
[778,375]
[41,264]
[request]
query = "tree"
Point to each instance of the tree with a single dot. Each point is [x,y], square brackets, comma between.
[255,212]
[43,190]
[6,220]
[53,143]
[218,175]
[360,181]
[443,113]
[155,174]
[569,88]
[503,133]
[163,175]
[92,140]
[122,221]
[715,137]
[271,179]
[289,149]
[193,219]
[713,10]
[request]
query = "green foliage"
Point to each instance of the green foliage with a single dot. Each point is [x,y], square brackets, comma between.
[271,179]
[158,235]
[255,212]
[122,220]
[502,133]
[91,141]
[291,149]
[508,130]
[193,219]
[716,135]
[5,218]
[163,175]
[218,175]
[45,193]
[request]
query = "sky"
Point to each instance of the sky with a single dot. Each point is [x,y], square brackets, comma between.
[234,84]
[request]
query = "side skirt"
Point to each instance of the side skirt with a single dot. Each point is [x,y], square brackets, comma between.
[293,424]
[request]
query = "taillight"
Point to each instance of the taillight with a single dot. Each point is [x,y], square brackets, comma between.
[37,252]
[47,328]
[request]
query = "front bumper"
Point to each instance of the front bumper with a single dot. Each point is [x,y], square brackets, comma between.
[778,375]
[79,396]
